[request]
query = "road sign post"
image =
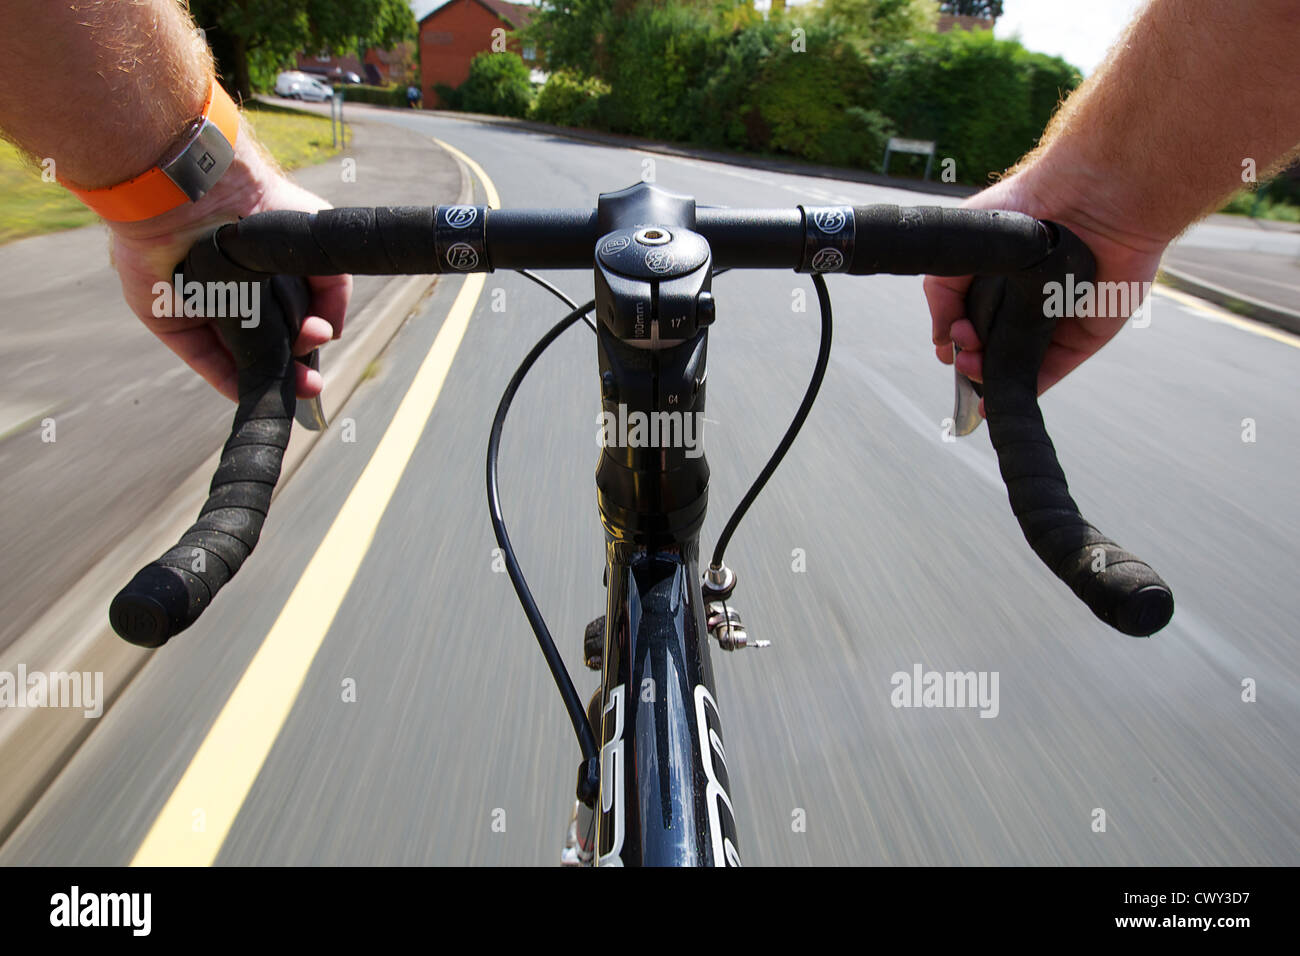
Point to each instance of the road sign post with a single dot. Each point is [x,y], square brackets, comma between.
[917,147]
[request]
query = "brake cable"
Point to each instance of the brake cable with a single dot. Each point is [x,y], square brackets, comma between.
[589,772]
[716,567]
[553,290]
[577,713]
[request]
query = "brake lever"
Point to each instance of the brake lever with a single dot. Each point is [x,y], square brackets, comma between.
[309,413]
[966,403]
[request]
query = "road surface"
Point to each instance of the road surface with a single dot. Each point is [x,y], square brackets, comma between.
[456,749]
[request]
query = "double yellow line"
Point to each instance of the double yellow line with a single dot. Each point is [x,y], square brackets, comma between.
[201,810]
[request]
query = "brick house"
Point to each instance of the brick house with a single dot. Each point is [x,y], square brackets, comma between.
[452,34]
[381,67]
[949,21]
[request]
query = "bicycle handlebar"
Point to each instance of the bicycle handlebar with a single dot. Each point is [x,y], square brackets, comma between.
[405,240]
[167,595]
[1014,255]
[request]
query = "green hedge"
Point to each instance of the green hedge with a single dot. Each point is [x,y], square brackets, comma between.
[378,95]
[658,57]
[498,84]
[825,85]
[567,99]
[984,101]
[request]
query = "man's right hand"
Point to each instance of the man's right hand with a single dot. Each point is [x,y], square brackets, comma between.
[1120,257]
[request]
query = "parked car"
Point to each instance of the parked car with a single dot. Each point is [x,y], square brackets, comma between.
[300,86]
[333,75]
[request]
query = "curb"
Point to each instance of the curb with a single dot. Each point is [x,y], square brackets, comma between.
[74,636]
[1236,302]
[789,166]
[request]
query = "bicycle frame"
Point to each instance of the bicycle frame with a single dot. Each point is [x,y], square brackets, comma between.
[664,788]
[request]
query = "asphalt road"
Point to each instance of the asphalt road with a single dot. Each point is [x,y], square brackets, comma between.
[132,422]
[456,749]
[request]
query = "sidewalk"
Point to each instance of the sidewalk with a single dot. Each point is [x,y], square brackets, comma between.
[136,434]
[1249,267]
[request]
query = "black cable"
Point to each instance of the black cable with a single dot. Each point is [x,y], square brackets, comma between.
[572,703]
[591,324]
[819,372]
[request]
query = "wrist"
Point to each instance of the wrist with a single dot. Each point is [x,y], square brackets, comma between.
[1063,186]
[240,191]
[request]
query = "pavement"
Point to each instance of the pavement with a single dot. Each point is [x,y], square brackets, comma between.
[74,352]
[1251,267]
[418,724]
[135,436]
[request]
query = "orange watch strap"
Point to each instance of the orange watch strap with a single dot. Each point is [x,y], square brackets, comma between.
[155,192]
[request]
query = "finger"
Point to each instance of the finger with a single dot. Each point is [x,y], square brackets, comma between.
[329,299]
[308,383]
[201,349]
[944,353]
[971,364]
[315,332]
[946,296]
[965,337]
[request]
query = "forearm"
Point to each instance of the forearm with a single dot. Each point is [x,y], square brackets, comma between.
[1159,136]
[129,75]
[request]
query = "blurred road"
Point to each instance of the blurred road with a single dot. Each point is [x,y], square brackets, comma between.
[75,353]
[456,749]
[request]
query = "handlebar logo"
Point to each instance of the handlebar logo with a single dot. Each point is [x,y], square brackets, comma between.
[660,261]
[828,260]
[830,221]
[458,217]
[462,257]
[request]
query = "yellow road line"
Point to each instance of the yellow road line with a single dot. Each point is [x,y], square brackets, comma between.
[198,815]
[493,199]
[1215,314]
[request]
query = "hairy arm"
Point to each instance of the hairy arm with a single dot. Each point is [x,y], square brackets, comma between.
[130,76]
[1156,139]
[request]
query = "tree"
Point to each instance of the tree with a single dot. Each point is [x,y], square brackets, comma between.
[988,9]
[873,25]
[248,35]
[573,35]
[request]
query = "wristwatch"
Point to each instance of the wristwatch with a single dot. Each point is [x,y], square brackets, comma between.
[185,176]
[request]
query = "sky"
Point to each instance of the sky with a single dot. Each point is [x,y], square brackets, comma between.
[1078,32]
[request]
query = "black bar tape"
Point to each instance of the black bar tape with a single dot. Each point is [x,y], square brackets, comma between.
[1009,316]
[169,594]
[939,241]
[384,240]
[406,240]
